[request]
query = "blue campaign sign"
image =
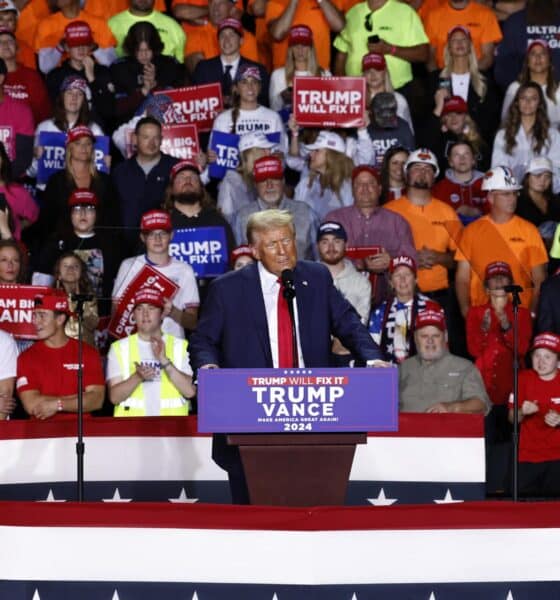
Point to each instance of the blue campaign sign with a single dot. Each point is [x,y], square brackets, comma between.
[204,248]
[54,154]
[225,145]
[297,400]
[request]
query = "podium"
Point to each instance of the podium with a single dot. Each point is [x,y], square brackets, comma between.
[305,469]
[297,429]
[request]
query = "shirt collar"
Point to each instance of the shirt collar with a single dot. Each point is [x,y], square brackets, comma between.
[269,281]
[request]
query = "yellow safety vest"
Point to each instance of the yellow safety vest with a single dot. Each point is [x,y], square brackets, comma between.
[172,404]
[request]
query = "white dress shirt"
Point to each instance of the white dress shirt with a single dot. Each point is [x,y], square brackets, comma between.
[270,288]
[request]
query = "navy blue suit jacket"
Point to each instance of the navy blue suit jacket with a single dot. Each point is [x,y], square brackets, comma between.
[232,331]
[210,70]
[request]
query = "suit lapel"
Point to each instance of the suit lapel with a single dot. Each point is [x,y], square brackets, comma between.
[254,303]
[304,302]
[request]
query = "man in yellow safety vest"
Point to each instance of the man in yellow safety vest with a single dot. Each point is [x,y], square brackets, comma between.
[148,373]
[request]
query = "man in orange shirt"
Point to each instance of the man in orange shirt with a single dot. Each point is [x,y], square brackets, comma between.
[500,236]
[194,14]
[203,40]
[478,19]
[323,16]
[435,226]
[50,31]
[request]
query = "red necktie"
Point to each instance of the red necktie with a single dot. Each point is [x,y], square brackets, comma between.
[285,348]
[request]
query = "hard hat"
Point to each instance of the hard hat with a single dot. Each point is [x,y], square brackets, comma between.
[500,178]
[422,155]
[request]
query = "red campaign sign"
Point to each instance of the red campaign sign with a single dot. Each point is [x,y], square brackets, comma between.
[329,101]
[198,105]
[180,141]
[16,309]
[122,323]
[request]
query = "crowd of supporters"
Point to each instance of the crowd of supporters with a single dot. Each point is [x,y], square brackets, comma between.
[446,193]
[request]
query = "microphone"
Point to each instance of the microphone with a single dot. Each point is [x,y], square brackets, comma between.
[81,297]
[512,289]
[287,277]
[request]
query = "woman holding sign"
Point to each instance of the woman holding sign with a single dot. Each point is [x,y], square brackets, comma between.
[71,108]
[247,115]
[301,59]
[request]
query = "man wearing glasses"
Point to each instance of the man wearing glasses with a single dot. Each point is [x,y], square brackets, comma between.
[155,233]
[387,27]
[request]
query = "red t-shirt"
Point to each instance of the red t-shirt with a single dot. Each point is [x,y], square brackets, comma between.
[538,442]
[16,118]
[54,371]
[27,85]
[462,194]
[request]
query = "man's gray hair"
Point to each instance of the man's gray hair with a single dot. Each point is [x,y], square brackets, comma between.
[264,220]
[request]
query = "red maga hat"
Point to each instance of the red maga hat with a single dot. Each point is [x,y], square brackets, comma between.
[454,104]
[374,61]
[156,219]
[81,197]
[187,163]
[268,167]
[547,340]
[300,34]
[402,261]
[77,133]
[435,318]
[232,23]
[497,268]
[148,296]
[78,33]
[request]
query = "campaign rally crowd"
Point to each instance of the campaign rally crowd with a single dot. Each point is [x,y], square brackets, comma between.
[158,172]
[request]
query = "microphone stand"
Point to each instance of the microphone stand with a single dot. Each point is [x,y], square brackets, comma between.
[289,294]
[516,301]
[80,446]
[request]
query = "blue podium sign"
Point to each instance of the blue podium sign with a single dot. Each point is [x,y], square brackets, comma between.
[297,400]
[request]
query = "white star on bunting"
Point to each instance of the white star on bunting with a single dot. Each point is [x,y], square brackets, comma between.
[50,498]
[448,499]
[183,498]
[382,500]
[116,497]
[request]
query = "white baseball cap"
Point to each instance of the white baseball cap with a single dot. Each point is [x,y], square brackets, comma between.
[255,139]
[6,5]
[501,179]
[328,139]
[539,164]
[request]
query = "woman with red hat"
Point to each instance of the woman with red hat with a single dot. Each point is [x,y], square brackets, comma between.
[374,70]
[490,342]
[301,60]
[539,416]
[80,172]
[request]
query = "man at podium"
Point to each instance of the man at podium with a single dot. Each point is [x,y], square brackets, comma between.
[245,320]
